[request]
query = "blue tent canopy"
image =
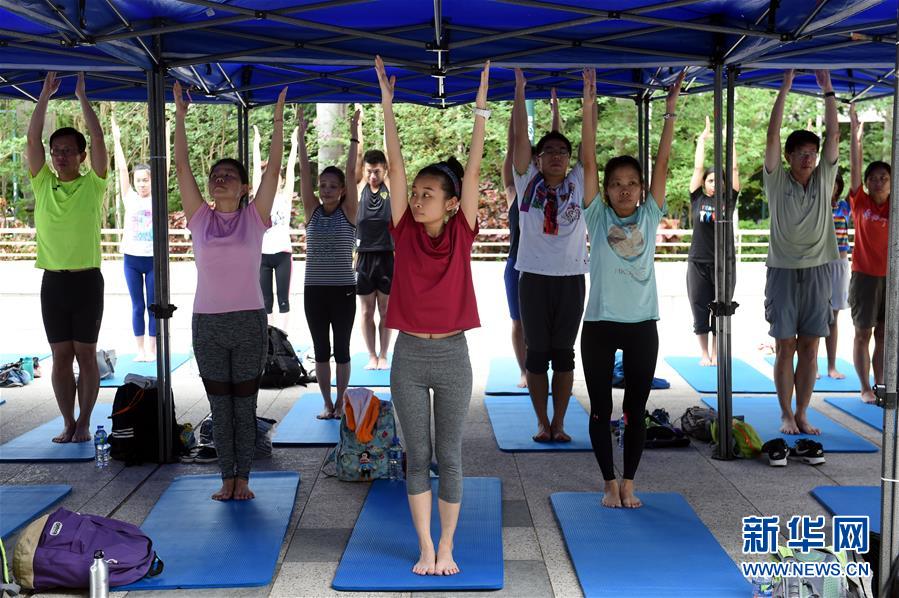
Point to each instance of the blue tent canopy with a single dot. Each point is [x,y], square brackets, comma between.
[238,51]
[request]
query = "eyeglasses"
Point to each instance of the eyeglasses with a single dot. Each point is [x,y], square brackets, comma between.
[63,152]
[803,155]
[554,152]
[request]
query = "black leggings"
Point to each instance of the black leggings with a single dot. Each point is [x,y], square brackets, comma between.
[330,308]
[701,292]
[281,263]
[639,343]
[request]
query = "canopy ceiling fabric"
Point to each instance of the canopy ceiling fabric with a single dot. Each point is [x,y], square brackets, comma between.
[245,51]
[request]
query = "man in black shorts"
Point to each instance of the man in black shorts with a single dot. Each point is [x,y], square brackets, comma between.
[67,216]
[374,252]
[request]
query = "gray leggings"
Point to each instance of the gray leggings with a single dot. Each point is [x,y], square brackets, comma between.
[230,350]
[419,366]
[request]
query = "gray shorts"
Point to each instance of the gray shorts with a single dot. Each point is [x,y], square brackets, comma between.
[797,302]
[839,273]
[867,296]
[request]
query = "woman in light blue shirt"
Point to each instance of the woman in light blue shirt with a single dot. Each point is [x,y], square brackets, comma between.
[623,305]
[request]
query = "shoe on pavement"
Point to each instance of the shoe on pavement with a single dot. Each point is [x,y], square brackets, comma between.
[777,451]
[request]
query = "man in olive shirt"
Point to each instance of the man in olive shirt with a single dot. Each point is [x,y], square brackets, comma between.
[798,286]
[67,214]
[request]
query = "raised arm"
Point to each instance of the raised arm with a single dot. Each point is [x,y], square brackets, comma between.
[699,157]
[508,179]
[99,156]
[855,151]
[521,153]
[307,194]
[772,144]
[351,201]
[831,121]
[588,138]
[554,105]
[396,168]
[191,197]
[472,179]
[268,186]
[168,150]
[359,174]
[257,161]
[660,167]
[290,172]
[120,164]
[735,170]
[34,148]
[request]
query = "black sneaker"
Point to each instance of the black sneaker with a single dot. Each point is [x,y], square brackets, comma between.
[206,454]
[777,452]
[808,451]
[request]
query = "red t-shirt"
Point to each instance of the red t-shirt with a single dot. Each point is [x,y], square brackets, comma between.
[432,291]
[872,234]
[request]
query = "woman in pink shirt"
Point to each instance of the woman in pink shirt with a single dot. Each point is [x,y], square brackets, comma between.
[229,321]
[432,303]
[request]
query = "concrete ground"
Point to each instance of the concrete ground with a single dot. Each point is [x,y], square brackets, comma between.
[536,561]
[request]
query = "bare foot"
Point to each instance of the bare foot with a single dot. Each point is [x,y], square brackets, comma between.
[383,364]
[427,562]
[628,498]
[805,427]
[140,357]
[835,374]
[542,435]
[66,435]
[610,496]
[327,413]
[242,490]
[338,409]
[82,434]
[868,396]
[372,363]
[559,435]
[788,424]
[445,564]
[226,492]
[523,381]
[818,376]
[705,360]
[715,361]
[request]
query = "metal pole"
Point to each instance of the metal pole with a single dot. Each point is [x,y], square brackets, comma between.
[722,222]
[647,154]
[889,511]
[640,157]
[243,142]
[161,308]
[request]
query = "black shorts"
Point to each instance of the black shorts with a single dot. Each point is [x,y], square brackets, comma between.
[72,305]
[374,272]
[552,308]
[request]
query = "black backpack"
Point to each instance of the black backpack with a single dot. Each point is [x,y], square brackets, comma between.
[282,367]
[135,436]
[697,422]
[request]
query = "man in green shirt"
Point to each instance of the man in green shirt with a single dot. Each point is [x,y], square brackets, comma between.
[67,215]
[803,243]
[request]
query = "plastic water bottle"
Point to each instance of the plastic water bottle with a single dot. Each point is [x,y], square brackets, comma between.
[395,460]
[99,576]
[761,587]
[621,424]
[101,448]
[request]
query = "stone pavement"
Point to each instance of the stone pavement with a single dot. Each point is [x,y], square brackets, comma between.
[536,561]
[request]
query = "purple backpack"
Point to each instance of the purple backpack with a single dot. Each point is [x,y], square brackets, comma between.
[57,550]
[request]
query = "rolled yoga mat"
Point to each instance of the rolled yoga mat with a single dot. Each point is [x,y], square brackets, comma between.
[207,543]
[646,551]
[383,547]
[744,377]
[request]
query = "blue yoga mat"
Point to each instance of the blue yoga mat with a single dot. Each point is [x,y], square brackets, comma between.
[20,505]
[359,376]
[383,546]
[36,445]
[744,377]
[644,552]
[125,365]
[864,412]
[514,424]
[851,500]
[206,543]
[301,426]
[41,354]
[763,413]
[827,384]
[504,375]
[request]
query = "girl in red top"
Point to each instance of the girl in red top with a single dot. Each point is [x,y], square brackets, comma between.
[432,303]
[867,285]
